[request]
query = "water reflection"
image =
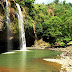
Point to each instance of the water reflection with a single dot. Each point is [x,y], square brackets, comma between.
[29,61]
[22,63]
[14,60]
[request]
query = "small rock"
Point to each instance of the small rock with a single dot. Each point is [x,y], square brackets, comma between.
[71,67]
[61,71]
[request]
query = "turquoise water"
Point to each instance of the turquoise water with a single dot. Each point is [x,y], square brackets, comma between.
[28,61]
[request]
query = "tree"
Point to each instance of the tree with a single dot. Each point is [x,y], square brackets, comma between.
[64,2]
[56,1]
[52,28]
[25,2]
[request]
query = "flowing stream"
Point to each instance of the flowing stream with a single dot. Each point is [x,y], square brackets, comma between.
[21,29]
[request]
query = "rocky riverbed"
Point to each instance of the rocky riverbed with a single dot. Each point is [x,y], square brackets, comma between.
[65,60]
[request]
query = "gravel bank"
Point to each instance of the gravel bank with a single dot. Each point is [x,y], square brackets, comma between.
[65,60]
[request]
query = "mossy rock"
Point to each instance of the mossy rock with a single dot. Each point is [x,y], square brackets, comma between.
[61,43]
[70,43]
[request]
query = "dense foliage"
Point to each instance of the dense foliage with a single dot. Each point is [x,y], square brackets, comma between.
[52,22]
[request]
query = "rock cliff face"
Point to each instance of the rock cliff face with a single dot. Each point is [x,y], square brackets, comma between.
[3,33]
[13,28]
[13,24]
[12,11]
[1,14]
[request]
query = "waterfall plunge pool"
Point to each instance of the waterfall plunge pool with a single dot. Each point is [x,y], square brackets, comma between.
[29,61]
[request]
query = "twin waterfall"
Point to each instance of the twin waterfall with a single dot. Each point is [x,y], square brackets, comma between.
[21,28]
[9,42]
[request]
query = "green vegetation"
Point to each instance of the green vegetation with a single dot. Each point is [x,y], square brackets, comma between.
[52,22]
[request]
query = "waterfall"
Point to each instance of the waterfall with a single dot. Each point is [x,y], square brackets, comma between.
[9,42]
[21,29]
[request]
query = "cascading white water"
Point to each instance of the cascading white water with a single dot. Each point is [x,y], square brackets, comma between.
[21,29]
[9,42]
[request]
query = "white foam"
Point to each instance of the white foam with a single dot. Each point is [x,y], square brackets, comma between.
[8,52]
[22,50]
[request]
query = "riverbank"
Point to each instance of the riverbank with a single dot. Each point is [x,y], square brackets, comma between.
[65,60]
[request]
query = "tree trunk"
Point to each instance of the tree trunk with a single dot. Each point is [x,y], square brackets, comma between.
[36,38]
